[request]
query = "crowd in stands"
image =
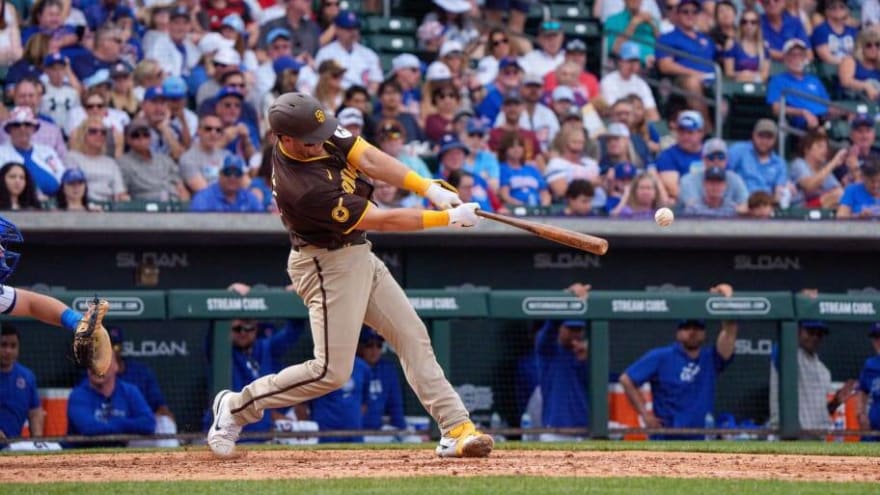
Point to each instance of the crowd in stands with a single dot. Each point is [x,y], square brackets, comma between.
[111,101]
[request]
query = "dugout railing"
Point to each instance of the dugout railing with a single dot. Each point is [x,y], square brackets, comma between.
[440,307]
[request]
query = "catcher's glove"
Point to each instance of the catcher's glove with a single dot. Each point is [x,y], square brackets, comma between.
[91,342]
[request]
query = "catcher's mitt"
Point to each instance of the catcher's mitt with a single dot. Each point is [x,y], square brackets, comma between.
[91,342]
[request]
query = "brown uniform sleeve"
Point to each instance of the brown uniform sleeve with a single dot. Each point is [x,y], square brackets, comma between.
[350,146]
[335,212]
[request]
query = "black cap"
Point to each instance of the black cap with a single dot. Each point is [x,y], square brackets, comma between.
[874,331]
[715,173]
[692,323]
[301,116]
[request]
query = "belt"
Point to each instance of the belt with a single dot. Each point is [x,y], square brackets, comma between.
[330,248]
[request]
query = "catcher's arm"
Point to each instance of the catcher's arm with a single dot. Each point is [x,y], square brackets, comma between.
[45,308]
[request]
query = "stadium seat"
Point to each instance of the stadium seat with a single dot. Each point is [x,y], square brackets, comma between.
[733,88]
[390,25]
[569,12]
[581,29]
[390,44]
[149,206]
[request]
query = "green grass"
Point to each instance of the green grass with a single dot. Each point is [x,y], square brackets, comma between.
[454,486]
[869,449]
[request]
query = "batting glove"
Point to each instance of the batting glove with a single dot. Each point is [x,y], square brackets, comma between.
[442,195]
[464,215]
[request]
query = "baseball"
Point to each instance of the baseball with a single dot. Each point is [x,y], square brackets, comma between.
[664,217]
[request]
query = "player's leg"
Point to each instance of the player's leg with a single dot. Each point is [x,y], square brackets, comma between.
[390,313]
[334,286]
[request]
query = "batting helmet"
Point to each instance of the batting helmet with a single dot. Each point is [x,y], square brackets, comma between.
[301,116]
[9,233]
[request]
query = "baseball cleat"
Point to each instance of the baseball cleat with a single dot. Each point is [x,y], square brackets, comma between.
[224,430]
[465,441]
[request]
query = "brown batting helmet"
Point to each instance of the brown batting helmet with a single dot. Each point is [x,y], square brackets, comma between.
[301,116]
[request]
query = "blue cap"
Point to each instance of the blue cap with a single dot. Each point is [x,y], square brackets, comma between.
[276,33]
[54,59]
[101,76]
[630,51]
[450,142]
[368,334]
[689,120]
[624,171]
[509,62]
[692,323]
[73,175]
[715,172]
[477,125]
[154,93]
[575,324]
[860,120]
[234,162]
[235,22]
[875,330]
[813,325]
[229,91]
[286,62]
[121,68]
[347,19]
[174,87]
[115,335]
[123,12]
[179,11]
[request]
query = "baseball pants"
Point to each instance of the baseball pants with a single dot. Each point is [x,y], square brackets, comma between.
[343,289]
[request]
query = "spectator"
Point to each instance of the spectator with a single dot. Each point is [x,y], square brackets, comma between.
[512,108]
[87,154]
[453,56]
[385,394]
[863,149]
[641,198]
[571,163]
[713,201]
[678,160]
[446,101]
[122,96]
[457,25]
[562,370]
[329,90]
[232,28]
[481,161]
[521,182]
[869,385]
[327,11]
[633,23]
[305,33]
[285,74]
[73,193]
[200,164]
[163,138]
[626,81]
[641,127]
[406,71]
[362,63]
[391,138]
[814,381]
[19,397]
[242,138]
[148,74]
[619,179]
[499,48]
[724,30]
[105,405]
[579,196]
[107,52]
[95,106]
[28,93]
[682,375]
[352,119]
[343,409]
[510,75]
[278,46]
[464,182]
[225,60]
[572,72]
[536,116]
[392,108]
[746,58]
[174,50]
[760,205]
[184,121]
[261,182]
[387,196]
[228,193]
[714,154]
[616,148]
[59,97]
[622,112]
[148,175]
[813,172]
[451,155]
[563,103]
[604,9]
[10,37]
[758,164]
[40,161]
[511,14]
[780,29]
[862,199]
[17,191]
[549,53]
[834,40]
[689,74]
[860,72]
[30,64]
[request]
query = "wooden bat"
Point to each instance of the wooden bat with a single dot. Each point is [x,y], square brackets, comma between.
[584,242]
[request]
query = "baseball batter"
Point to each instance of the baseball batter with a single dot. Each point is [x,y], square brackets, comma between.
[92,346]
[319,185]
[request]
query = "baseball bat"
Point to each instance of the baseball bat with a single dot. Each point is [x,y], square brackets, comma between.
[584,242]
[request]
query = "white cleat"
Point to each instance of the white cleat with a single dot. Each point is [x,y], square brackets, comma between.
[224,430]
[465,441]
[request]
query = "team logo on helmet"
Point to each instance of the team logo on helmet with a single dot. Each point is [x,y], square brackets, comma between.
[319,116]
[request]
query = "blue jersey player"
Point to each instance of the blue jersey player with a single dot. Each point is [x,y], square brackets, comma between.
[682,375]
[19,399]
[869,385]
[385,395]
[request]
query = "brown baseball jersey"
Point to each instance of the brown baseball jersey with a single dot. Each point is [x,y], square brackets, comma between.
[323,199]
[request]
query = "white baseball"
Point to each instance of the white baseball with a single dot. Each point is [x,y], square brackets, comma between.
[664,217]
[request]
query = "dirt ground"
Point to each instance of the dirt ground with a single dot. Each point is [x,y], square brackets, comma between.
[198,464]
